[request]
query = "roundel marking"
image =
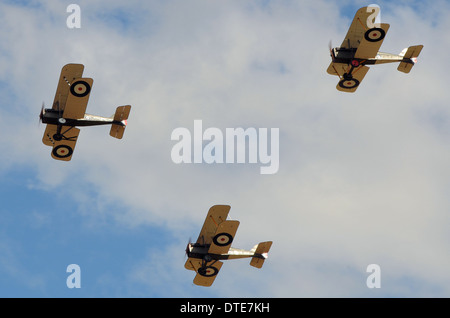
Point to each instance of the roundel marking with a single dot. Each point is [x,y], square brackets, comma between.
[62,151]
[349,83]
[80,88]
[208,271]
[222,239]
[374,34]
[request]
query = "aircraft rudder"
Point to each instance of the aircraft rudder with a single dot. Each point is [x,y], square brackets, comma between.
[261,254]
[120,121]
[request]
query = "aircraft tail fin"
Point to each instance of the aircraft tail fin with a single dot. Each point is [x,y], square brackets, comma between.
[120,121]
[409,58]
[260,256]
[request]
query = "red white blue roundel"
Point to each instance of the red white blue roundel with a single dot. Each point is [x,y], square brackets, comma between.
[348,84]
[80,88]
[208,271]
[62,151]
[374,34]
[222,239]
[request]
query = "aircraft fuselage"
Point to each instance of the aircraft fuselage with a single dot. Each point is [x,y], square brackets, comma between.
[347,56]
[201,252]
[52,116]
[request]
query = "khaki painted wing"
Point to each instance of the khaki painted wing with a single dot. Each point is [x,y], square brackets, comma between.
[371,42]
[206,276]
[62,149]
[69,72]
[359,26]
[351,85]
[47,139]
[223,237]
[78,98]
[216,215]
[337,69]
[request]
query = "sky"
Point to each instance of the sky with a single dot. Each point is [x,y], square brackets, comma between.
[363,178]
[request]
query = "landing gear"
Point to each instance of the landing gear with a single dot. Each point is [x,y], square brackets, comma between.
[347,76]
[61,135]
[208,270]
[348,81]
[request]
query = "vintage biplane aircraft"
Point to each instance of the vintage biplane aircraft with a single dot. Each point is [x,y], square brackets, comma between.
[360,48]
[68,111]
[214,244]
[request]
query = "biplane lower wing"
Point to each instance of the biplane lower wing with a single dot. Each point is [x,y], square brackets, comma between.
[351,84]
[223,237]
[206,274]
[62,149]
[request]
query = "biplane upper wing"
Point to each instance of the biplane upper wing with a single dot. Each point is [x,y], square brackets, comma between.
[364,34]
[62,149]
[205,276]
[78,97]
[216,215]
[223,237]
[69,72]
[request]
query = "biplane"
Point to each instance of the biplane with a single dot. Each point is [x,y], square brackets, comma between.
[214,245]
[68,111]
[360,48]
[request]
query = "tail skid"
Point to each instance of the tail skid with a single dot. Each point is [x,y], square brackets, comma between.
[261,251]
[120,121]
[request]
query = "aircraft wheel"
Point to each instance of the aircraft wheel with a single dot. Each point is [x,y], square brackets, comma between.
[222,239]
[57,137]
[374,34]
[80,88]
[62,151]
[347,76]
[349,83]
[208,271]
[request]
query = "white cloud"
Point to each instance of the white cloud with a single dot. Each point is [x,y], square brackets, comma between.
[363,177]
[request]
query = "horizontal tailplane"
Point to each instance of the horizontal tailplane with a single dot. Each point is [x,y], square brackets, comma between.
[120,121]
[409,58]
[261,251]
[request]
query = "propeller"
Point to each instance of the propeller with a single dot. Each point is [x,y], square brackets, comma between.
[41,114]
[330,47]
[187,247]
